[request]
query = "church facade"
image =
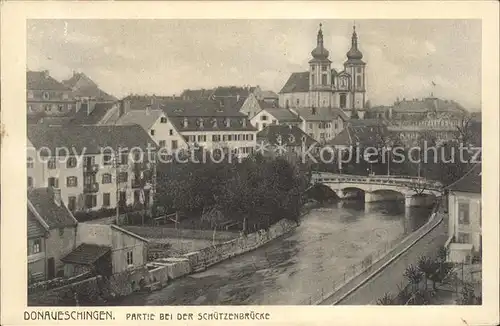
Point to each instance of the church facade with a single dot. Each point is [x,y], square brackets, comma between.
[322,87]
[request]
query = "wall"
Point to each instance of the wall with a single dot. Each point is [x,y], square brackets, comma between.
[303,98]
[59,246]
[164,232]
[209,144]
[258,122]
[162,132]
[474,227]
[250,107]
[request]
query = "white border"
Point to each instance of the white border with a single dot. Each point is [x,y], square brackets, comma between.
[13,224]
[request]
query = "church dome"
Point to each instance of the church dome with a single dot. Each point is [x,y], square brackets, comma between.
[354,53]
[320,52]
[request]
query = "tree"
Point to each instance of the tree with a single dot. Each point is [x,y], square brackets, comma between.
[428,267]
[414,276]
[467,295]
[387,300]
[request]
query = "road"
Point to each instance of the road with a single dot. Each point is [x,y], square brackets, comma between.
[389,279]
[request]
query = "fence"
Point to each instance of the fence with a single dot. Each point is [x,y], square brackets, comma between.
[165,232]
[368,263]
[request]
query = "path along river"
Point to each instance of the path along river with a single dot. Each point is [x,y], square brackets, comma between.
[289,270]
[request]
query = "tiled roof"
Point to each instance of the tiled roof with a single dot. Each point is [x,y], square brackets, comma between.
[41,80]
[55,216]
[82,118]
[320,114]
[282,114]
[198,109]
[366,133]
[197,94]
[428,104]
[86,254]
[90,90]
[144,118]
[470,182]
[269,94]
[298,82]
[88,139]
[34,227]
[290,135]
[208,124]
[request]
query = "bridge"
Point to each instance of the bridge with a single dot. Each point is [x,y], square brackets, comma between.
[416,191]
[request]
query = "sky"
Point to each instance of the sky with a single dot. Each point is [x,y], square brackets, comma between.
[164,57]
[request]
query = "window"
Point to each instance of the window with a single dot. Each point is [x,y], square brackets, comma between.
[343,101]
[123,177]
[123,198]
[263,117]
[463,213]
[107,159]
[171,132]
[162,143]
[130,258]
[65,96]
[60,107]
[313,68]
[106,199]
[29,163]
[229,137]
[30,108]
[202,138]
[324,79]
[61,232]
[358,70]
[51,164]
[34,246]
[264,125]
[358,80]
[312,79]
[298,101]
[53,182]
[45,95]
[90,201]
[123,158]
[71,181]
[324,68]
[71,162]
[106,178]
[310,125]
[30,182]
[463,237]
[251,137]
[163,120]
[30,94]
[72,203]
[152,132]
[174,144]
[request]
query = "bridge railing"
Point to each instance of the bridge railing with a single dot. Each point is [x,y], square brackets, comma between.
[400,181]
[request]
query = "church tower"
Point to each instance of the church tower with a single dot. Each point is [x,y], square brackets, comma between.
[355,67]
[320,77]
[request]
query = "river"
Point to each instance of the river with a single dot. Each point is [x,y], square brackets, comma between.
[289,270]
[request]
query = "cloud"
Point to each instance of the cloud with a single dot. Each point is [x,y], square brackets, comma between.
[166,56]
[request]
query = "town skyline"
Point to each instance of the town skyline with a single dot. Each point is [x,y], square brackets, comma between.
[260,52]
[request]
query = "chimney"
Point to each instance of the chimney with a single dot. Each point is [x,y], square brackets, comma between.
[237,97]
[45,73]
[124,107]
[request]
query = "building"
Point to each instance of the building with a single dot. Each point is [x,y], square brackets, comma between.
[105,250]
[272,115]
[46,96]
[322,87]
[362,133]
[252,105]
[285,139]
[211,125]
[84,87]
[437,117]
[79,160]
[51,233]
[322,125]
[157,125]
[465,215]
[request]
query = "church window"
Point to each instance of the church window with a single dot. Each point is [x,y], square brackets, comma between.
[324,68]
[358,70]
[298,101]
[358,80]
[313,68]
[312,79]
[324,79]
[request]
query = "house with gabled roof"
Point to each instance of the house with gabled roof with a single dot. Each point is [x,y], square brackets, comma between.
[45,96]
[51,233]
[83,86]
[322,125]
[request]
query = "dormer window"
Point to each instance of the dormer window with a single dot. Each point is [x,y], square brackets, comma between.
[244,122]
[200,122]
[163,120]
[45,95]
[185,123]
[227,122]
[214,123]
[30,94]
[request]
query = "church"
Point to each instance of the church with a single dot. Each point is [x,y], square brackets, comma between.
[323,88]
